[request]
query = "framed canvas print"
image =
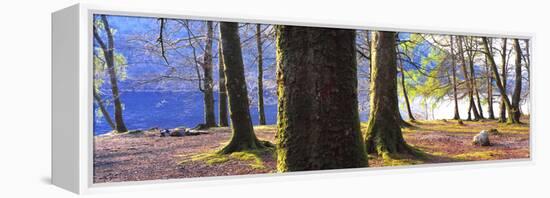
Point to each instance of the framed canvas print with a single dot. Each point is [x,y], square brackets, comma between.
[143,97]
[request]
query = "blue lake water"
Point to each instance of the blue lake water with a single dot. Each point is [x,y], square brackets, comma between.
[144,110]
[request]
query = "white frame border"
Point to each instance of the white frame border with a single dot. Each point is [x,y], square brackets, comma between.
[85,177]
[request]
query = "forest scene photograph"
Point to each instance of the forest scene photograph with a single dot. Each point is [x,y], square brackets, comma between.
[185,98]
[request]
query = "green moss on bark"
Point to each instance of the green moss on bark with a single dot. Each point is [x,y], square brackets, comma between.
[243,133]
[318,118]
[383,135]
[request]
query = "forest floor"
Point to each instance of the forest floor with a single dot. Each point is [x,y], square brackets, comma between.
[147,156]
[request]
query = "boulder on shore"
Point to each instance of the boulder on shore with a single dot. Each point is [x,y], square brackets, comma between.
[177,132]
[180,132]
[481,139]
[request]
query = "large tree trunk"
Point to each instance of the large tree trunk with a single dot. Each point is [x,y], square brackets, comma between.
[516,96]
[209,115]
[383,135]
[108,52]
[222,92]
[103,110]
[453,68]
[261,113]
[243,133]
[504,68]
[511,119]
[469,82]
[318,118]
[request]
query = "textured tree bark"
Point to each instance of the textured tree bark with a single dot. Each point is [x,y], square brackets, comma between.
[318,115]
[243,137]
[222,92]
[383,135]
[504,68]
[516,96]
[104,111]
[207,66]
[511,119]
[261,112]
[453,68]
[108,52]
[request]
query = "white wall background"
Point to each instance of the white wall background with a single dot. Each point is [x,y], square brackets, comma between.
[25,97]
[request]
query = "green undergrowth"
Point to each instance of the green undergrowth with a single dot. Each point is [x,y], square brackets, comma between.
[254,158]
[400,160]
[468,127]
[416,156]
[478,155]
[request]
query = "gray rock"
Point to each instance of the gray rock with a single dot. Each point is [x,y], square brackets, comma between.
[481,139]
[177,132]
[164,132]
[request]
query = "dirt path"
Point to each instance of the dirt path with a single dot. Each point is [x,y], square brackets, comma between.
[146,156]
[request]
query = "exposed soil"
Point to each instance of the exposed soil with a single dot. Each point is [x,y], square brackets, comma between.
[147,156]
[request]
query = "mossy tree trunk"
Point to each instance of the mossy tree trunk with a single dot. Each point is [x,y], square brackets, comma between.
[383,135]
[453,69]
[222,92]
[108,52]
[261,113]
[243,137]
[504,78]
[516,95]
[209,115]
[318,115]
[509,108]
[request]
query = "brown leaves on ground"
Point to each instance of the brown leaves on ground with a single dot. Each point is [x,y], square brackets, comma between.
[147,156]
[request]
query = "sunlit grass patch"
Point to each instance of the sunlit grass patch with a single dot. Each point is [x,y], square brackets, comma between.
[468,126]
[401,160]
[252,157]
[265,127]
[479,155]
[514,128]
[208,158]
[416,156]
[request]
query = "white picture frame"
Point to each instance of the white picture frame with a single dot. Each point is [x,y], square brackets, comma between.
[72,111]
